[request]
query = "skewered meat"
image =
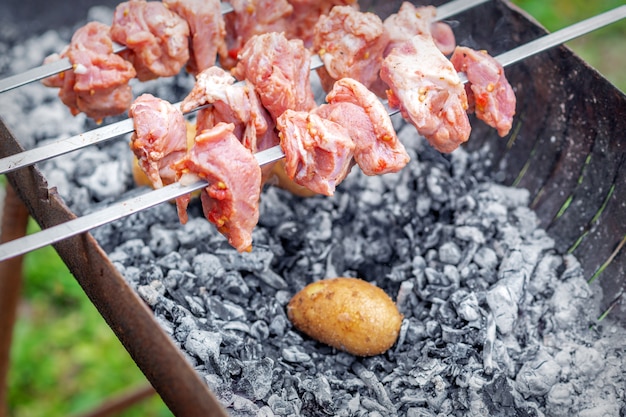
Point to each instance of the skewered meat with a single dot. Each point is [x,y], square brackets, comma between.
[377,148]
[231,199]
[207,29]
[97,85]
[318,152]
[350,44]
[279,69]
[411,20]
[489,93]
[249,18]
[232,102]
[305,15]
[157,38]
[427,89]
[159,139]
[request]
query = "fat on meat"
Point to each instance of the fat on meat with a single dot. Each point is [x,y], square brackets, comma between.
[306,13]
[279,69]
[207,31]
[424,84]
[249,18]
[231,199]
[157,38]
[159,139]
[318,151]
[350,43]
[489,93]
[97,84]
[377,147]
[413,20]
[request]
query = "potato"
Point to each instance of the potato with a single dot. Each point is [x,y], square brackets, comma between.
[349,314]
[279,178]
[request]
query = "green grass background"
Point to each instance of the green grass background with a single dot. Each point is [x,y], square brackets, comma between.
[65,359]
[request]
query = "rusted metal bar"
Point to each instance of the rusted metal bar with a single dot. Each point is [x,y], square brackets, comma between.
[180,387]
[116,405]
[14,222]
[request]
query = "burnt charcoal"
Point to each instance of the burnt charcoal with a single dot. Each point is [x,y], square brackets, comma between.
[500,400]
[163,241]
[173,261]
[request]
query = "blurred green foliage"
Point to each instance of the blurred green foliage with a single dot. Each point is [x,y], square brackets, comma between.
[66,360]
[603,49]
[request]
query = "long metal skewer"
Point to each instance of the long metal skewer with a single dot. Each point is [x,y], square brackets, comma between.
[101,134]
[152,198]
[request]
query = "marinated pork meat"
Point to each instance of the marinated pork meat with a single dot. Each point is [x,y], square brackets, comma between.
[157,38]
[425,86]
[279,69]
[306,13]
[350,43]
[318,152]
[377,148]
[207,31]
[411,20]
[489,93]
[232,102]
[249,18]
[231,198]
[97,84]
[159,139]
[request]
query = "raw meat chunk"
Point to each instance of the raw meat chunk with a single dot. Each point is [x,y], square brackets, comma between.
[232,102]
[159,139]
[411,20]
[305,15]
[489,93]
[249,18]
[97,84]
[157,38]
[378,150]
[207,29]
[318,152]
[350,44]
[231,199]
[279,69]
[427,89]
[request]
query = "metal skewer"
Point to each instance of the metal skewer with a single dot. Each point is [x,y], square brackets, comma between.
[152,198]
[64,64]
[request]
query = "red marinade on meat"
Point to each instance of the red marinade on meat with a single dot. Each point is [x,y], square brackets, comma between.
[318,152]
[378,150]
[425,86]
[412,20]
[350,43]
[207,31]
[231,199]
[489,93]
[97,84]
[249,18]
[157,38]
[159,139]
[279,69]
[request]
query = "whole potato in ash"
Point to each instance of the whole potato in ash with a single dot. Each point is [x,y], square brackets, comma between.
[349,314]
